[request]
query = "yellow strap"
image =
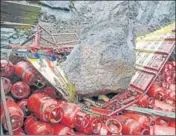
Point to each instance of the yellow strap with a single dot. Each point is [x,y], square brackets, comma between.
[32,60]
[104,98]
[163,30]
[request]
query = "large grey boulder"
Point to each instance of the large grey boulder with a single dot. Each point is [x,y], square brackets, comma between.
[104,59]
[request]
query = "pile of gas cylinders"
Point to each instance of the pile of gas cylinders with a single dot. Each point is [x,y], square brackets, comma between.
[161,96]
[39,111]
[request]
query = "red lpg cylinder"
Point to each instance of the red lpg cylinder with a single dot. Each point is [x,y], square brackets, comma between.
[161,122]
[70,110]
[9,98]
[19,132]
[23,105]
[6,84]
[156,91]
[145,101]
[113,126]
[109,128]
[28,74]
[37,91]
[141,119]
[20,90]
[172,87]
[169,79]
[162,130]
[160,105]
[172,123]
[45,108]
[78,133]
[16,116]
[173,63]
[7,68]
[130,126]
[168,67]
[157,121]
[170,96]
[103,130]
[165,85]
[34,127]
[50,91]
[167,72]
[91,126]
[60,129]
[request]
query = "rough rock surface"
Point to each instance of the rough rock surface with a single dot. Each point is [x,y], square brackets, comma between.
[105,56]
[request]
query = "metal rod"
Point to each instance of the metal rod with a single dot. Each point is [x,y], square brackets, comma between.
[1,131]
[27,40]
[45,30]
[151,112]
[124,107]
[68,42]
[6,110]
